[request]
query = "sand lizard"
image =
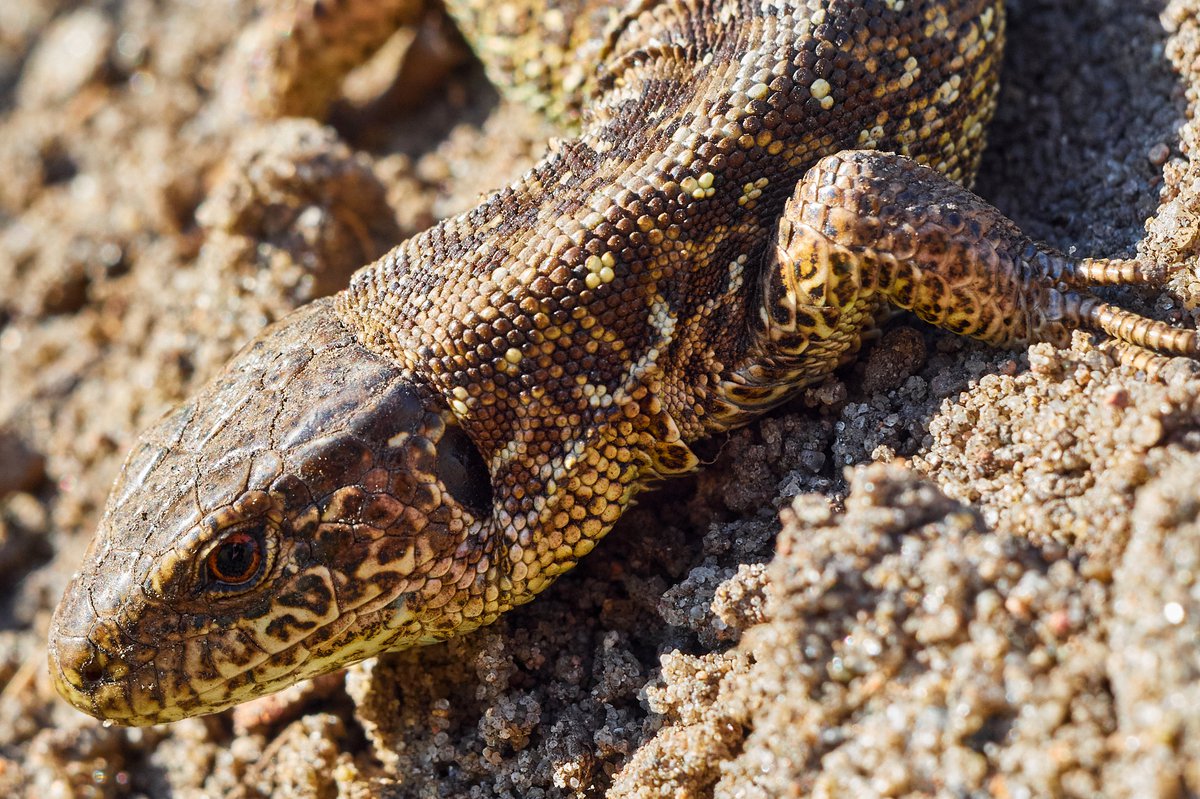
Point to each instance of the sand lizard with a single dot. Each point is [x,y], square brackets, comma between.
[434,445]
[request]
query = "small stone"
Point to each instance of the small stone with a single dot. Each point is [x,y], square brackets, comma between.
[900,353]
[21,468]
[71,53]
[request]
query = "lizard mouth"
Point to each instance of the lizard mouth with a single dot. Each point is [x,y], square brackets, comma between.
[166,684]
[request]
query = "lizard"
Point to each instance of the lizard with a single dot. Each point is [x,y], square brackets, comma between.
[752,185]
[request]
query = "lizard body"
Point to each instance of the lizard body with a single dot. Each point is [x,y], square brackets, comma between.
[433,446]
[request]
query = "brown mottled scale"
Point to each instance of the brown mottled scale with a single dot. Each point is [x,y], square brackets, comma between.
[436,444]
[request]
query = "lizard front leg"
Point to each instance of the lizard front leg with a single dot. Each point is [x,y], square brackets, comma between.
[866,229]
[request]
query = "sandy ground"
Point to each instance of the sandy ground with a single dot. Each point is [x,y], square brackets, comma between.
[948,571]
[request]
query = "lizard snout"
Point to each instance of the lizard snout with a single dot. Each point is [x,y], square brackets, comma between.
[88,661]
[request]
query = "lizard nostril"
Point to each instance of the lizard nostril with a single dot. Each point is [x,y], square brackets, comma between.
[80,664]
[73,665]
[91,672]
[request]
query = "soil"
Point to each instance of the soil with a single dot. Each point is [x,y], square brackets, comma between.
[947,571]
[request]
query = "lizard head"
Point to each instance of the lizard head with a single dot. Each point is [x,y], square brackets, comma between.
[311,507]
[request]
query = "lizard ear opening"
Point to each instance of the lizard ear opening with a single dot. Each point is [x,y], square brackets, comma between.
[463,473]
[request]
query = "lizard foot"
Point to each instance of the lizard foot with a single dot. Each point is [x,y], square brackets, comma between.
[865,230]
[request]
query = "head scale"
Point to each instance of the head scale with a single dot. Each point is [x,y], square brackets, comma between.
[312,506]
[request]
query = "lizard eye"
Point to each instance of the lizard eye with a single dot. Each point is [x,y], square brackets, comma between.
[235,561]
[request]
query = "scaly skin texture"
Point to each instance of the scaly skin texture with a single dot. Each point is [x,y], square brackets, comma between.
[437,443]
